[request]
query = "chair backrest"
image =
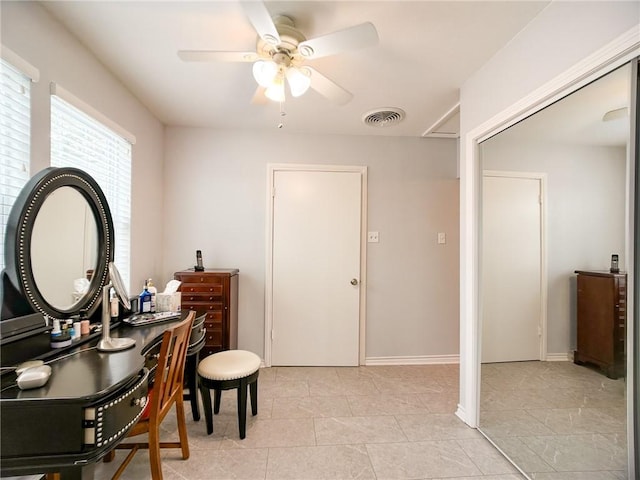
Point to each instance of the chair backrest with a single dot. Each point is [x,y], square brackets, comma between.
[169,376]
[198,334]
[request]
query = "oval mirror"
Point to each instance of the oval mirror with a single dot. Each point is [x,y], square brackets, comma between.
[63,264]
[59,242]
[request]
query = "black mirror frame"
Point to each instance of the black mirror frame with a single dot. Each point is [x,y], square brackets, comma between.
[20,228]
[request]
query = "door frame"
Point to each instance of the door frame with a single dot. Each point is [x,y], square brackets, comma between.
[542,179]
[624,49]
[272,169]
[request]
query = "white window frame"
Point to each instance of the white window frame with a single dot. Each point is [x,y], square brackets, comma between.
[17,75]
[92,142]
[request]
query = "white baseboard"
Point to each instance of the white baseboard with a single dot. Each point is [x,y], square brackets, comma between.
[560,357]
[462,414]
[417,360]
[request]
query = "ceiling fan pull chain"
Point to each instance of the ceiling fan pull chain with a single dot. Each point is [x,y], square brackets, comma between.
[282,115]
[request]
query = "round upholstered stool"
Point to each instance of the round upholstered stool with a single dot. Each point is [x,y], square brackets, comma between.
[224,371]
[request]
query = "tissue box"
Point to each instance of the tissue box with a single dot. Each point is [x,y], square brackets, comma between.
[168,302]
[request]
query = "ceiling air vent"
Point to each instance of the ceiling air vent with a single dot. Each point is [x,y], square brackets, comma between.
[383,117]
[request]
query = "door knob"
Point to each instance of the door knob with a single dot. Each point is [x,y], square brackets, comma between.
[354,281]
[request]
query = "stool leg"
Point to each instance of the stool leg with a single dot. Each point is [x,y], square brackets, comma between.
[253,390]
[217,395]
[242,408]
[206,406]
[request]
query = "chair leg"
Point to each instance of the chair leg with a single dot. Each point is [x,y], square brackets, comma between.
[217,395]
[126,462]
[206,406]
[242,408]
[109,457]
[253,390]
[182,428]
[154,454]
[191,375]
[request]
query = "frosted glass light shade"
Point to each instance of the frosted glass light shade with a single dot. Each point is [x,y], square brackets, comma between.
[299,81]
[275,91]
[264,72]
[616,114]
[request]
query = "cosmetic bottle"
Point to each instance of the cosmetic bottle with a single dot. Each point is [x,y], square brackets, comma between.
[84,323]
[145,300]
[114,310]
[69,322]
[56,330]
[153,291]
[60,337]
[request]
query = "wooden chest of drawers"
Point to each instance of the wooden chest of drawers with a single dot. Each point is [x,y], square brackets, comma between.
[602,314]
[214,292]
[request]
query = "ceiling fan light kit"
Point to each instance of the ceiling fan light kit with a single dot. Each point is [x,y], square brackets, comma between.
[281,51]
[275,91]
[299,80]
[616,114]
[270,73]
[265,72]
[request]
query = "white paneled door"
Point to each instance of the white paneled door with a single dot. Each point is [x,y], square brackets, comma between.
[316,268]
[512,308]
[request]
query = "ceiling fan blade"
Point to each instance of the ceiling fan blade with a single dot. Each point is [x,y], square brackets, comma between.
[328,88]
[261,20]
[215,56]
[359,36]
[259,97]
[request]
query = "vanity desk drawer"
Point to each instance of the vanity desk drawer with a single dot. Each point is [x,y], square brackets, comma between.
[214,292]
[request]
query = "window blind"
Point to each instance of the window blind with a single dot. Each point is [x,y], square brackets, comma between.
[15,139]
[80,141]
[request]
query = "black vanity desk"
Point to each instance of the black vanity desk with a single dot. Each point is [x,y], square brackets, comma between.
[49,429]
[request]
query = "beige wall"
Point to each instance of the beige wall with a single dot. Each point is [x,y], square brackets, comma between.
[59,57]
[215,187]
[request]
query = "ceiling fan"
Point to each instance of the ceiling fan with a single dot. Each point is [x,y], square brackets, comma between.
[281,53]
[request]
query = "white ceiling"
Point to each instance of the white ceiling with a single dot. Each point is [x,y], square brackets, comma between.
[578,118]
[427,50]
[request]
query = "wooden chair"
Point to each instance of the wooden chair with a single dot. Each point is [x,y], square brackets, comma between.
[196,342]
[167,390]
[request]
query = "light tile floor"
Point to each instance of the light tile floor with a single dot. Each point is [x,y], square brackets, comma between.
[556,420]
[382,422]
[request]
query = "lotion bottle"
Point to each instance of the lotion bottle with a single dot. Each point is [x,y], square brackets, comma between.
[153,291]
[145,300]
[115,307]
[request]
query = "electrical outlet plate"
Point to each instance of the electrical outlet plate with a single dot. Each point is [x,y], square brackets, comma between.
[372,237]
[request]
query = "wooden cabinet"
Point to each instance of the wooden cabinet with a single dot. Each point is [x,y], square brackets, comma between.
[601,315]
[214,292]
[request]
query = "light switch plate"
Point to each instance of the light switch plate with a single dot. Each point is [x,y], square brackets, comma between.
[372,237]
[442,238]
